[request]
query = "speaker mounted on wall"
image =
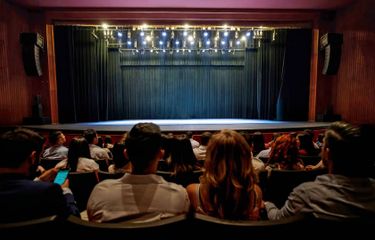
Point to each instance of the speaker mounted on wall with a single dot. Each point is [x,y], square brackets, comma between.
[32,45]
[331,44]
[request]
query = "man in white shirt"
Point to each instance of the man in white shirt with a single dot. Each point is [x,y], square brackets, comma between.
[142,192]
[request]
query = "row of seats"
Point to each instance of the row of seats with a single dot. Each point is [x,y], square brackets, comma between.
[188,226]
[276,184]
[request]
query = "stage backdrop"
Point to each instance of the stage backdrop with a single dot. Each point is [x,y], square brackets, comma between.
[97,83]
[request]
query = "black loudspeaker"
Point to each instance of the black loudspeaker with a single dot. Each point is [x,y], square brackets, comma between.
[32,44]
[331,44]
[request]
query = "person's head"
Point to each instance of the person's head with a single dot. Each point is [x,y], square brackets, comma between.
[143,146]
[205,138]
[56,138]
[284,151]
[344,150]
[320,137]
[229,175]
[78,147]
[119,158]
[305,141]
[189,134]
[107,140]
[91,136]
[258,142]
[167,144]
[182,158]
[20,146]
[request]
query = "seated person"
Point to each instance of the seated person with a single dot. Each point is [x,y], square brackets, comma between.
[227,188]
[181,161]
[57,150]
[142,191]
[120,163]
[200,152]
[284,154]
[346,191]
[21,198]
[79,159]
[96,152]
[194,143]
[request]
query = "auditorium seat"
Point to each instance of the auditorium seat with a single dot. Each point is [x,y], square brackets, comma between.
[246,229]
[131,229]
[82,184]
[278,184]
[30,228]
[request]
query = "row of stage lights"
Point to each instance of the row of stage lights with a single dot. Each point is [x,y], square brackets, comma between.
[200,39]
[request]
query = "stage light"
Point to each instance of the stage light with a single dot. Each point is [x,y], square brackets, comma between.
[183,38]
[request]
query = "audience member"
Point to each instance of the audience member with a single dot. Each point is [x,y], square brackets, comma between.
[346,191]
[181,161]
[227,188]
[57,150]
[306,145]
[284,154]
[258,164]
[269,144]
[194,143]
[21,198]
[142,191]
[200,152]
[258,143]
[96,152]
[79,157]
[120,163]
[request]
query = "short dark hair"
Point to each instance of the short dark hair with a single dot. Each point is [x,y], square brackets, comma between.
[143,143]
[17,145]
[89,134]
[53,137]
[346,149]
[205,137]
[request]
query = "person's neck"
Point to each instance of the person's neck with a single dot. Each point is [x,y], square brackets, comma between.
[151,169]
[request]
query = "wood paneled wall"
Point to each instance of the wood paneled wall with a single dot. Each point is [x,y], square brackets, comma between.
[14,85]
[352,91]
[16,88]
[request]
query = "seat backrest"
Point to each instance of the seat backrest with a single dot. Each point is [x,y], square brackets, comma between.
[280,183]
[28,228]
[238,229]
[341,229]
[310,160]
[157,229]
[82,184]
[103,164]
[48,163]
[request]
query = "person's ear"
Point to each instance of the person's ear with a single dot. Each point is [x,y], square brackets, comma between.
[326,156]
[126,154]
[161,154]
[32,158]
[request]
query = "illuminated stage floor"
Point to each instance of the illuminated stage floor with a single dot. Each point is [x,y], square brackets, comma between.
[194,125]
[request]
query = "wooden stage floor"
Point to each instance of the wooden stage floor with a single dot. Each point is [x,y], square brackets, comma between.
[183,125]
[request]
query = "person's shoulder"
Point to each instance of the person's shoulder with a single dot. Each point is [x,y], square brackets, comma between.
[63,148]
[175,187]
[46,188]
[308,187]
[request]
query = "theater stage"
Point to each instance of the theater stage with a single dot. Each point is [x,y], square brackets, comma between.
[183,125]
